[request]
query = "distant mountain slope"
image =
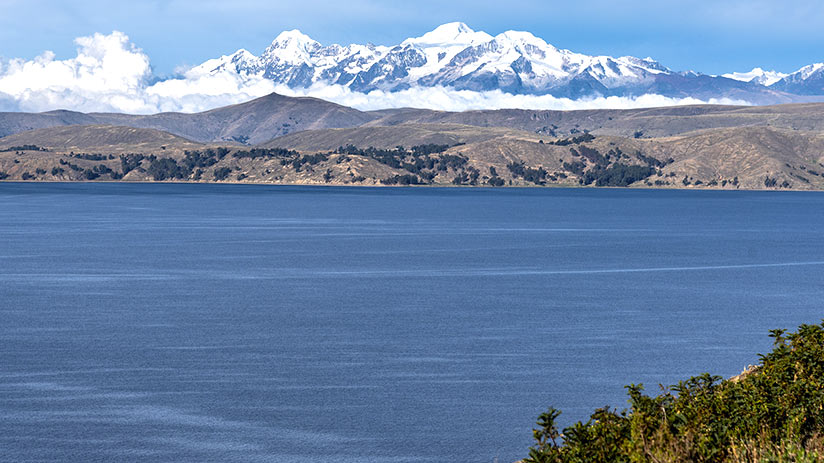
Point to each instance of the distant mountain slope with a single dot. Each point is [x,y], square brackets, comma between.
[11,123]
[648,122]
[808,80]
[260,120]
[99,139]
[757,75]
[252,122]
[406,135]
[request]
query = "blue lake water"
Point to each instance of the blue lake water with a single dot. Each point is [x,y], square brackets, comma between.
[289,324]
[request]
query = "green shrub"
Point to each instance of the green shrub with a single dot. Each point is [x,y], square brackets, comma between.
[773,413]
[222,173]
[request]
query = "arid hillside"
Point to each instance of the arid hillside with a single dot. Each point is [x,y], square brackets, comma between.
[749,157]
[263,119]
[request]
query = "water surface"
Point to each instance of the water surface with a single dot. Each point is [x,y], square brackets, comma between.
[294,324]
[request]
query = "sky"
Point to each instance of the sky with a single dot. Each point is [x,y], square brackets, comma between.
[140,56]
[708,36]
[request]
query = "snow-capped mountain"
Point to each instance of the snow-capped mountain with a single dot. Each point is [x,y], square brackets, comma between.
[455,56]
[808,80]
[758,76]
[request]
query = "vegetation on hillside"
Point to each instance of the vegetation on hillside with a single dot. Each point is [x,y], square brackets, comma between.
[773,413]
[573,141]
[612,169]
[424,163]
[23,148]
[513,159]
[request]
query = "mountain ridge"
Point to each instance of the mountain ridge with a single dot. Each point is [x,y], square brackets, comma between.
[748,157]
[262,119]
[455,56]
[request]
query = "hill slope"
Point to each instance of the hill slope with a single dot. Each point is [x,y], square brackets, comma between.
[99,138]
[648,122]
[389,137]
[731,158]
[252,122]
[11,123]
[263,119]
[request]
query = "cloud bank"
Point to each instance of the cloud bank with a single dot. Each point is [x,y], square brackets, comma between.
[111,74]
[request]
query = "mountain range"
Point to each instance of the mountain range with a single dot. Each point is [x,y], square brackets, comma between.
[283,140]
[274,116]
[457,57]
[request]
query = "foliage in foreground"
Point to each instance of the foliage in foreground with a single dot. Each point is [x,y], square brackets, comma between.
[772,414]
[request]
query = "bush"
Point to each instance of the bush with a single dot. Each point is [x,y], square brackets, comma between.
[422,160]
[617,175]
[165,168]
[129,162]
[23,148]
[536,176]
[587,137]
[98,171]
[265,153]
[774,412]
[406,179]
[91,157]
[222,173]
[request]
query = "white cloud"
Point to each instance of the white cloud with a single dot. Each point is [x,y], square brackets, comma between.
[200,91]
[109,73]
[447,99]
[105,74]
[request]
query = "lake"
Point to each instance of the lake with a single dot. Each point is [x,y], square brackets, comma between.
[162,322]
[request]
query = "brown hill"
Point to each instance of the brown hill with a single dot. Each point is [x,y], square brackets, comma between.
[389,137]
[99,139]
[11,123]
[745,158]
[753,154]
[688,146]
[263,119]
[650,122]
[253,122]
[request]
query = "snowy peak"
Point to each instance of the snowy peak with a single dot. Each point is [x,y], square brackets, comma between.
[808,71]
[648,64]
[452,55]
[293,38]
[808,80]
[450,34]
[238,62]
[292,47]
[522,37]
[758,76]
[455,56]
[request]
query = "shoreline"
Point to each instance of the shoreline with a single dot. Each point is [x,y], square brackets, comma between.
[430,186]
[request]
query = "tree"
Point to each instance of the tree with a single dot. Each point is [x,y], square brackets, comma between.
[222,173]
[546,448]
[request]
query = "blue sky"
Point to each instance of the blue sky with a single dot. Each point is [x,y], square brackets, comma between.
[704,35]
